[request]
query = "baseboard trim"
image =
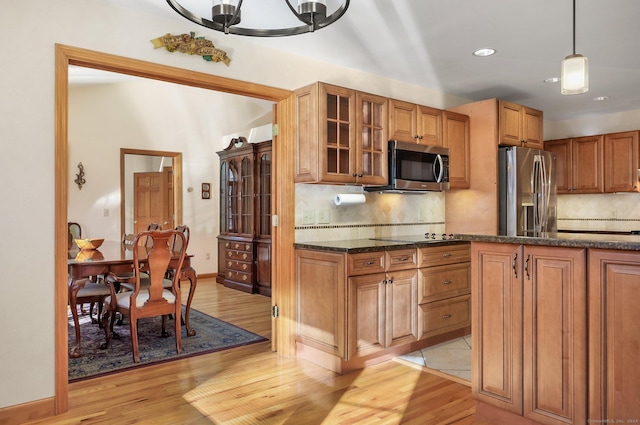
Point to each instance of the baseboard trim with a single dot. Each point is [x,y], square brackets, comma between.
[26,412]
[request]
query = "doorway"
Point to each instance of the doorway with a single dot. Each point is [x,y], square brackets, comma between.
[283,198]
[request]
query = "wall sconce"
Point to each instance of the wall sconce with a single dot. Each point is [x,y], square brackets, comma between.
[80,176]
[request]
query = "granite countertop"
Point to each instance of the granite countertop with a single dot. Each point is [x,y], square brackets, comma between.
[353,246]
[572,240]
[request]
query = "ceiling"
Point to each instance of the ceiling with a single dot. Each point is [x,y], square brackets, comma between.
[430,43]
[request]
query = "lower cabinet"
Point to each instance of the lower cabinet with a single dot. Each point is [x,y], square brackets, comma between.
[355,308]
[614,336]
[529,328]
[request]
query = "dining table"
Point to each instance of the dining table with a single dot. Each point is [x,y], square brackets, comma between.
[114,257]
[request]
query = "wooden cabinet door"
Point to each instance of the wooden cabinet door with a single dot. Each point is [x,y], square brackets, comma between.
[429,126]
[456,137]
[336,134]
[621,157]
[401,293]
[614,335]
[587,164]
[496,323]
[562,149]
[532,128]
[555,335]
[366,314]
[510,123]
[372,120]
[403,121]
[321,303]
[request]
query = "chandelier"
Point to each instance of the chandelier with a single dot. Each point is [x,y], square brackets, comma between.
[226,15]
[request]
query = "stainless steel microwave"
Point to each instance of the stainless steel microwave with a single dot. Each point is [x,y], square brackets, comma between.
[415,168]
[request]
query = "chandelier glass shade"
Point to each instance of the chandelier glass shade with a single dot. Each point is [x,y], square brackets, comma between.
[226,15]
[574,71]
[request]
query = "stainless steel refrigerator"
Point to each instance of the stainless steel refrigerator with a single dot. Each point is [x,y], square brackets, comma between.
[527,191]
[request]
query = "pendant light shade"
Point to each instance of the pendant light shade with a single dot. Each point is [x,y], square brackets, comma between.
[574,71]
[574,75]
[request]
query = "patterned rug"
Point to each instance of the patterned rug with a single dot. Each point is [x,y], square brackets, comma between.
[211,335]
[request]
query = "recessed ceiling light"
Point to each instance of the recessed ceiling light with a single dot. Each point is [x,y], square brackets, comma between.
[599,98]
[484,52]
[551,80]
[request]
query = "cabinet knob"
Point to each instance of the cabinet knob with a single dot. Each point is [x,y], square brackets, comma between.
[448,254]
[244,267]
[447,282]
[446,316]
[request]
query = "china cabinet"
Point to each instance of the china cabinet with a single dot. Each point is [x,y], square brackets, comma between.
[244,243]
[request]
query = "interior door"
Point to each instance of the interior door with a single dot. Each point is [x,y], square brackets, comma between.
[149,200]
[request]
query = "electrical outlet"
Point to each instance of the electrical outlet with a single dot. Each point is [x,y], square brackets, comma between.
[207,256]
[308,217]
[106,212]
[323,216]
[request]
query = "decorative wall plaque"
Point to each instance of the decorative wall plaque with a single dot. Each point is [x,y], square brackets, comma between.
[192,45]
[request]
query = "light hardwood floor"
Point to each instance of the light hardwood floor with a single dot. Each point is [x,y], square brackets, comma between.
[253,385]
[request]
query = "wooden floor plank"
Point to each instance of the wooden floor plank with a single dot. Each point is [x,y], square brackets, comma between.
[252,385]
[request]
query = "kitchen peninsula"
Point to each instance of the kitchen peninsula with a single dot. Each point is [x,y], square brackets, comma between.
[556,328]
[363,301]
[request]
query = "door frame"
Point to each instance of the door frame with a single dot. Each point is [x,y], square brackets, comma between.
[176,167]
[283,204]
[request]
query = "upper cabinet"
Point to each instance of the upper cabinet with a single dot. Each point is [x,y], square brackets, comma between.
[520,125]
[455,134]
[409,122]
[621,162]
[597,164]
[341,136]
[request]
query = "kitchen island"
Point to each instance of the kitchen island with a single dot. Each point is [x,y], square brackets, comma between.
[556,328]
[364,301]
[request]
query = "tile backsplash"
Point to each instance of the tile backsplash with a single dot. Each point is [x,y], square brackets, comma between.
[318,218]
[619,212]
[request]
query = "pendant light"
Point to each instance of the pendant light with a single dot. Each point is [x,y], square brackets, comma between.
[574,71]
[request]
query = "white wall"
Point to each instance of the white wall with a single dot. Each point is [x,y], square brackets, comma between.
[153,115]
[30,29]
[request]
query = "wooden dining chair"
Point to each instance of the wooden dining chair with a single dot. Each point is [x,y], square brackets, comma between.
[155,300]
[75,232]
[92,293]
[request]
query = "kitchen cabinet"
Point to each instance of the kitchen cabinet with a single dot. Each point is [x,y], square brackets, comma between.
[520,125]
[357,308]
[614,336]
[409,122]
[244,242]
[621,162]
[579,164]
[456,137]
[341,136]
[444,289]
[476,210]
[529,328]
[382,306]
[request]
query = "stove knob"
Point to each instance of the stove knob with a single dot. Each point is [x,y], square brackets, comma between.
[433,236]
[444,236]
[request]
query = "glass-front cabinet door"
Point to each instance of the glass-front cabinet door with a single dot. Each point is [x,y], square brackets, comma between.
[371,133]
[246,195]
[336,132]
[264,194]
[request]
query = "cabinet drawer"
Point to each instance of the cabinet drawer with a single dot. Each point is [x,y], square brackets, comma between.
[444,316]
[239,255]
[239,246]
[238,276]
[440,255]
[441,282]
[366,263]
[238,265]
[401,259]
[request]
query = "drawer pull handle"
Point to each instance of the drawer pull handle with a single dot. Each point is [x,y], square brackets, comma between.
[244,267]
[368,263]
[446,316]
[448,254]
[403,259]
[447,282]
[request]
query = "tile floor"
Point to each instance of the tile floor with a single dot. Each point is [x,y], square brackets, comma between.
[451,357]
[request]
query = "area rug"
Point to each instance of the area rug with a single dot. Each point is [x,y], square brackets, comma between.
[211,335]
